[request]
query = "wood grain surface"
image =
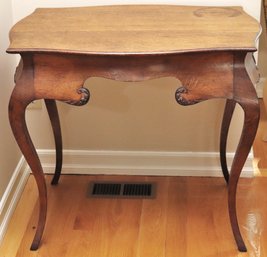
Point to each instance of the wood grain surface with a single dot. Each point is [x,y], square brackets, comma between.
[132,29]
[187,218]
[206,48]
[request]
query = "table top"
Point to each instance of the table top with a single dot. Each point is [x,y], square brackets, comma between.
[134,29]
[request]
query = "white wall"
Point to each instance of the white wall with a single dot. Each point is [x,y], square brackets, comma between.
[146,130]
[9,153]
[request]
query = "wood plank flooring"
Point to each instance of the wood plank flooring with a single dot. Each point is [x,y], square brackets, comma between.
[188,218]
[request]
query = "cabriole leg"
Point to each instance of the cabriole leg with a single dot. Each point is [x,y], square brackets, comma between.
[22,95]
[227,117]
[245,95]
[248,134]
[55,122]
[17,108]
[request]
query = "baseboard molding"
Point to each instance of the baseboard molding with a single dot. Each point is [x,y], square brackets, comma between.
[12,194]
[141,163]
[116,163]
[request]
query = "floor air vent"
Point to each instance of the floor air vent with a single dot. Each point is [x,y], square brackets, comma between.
[122,190]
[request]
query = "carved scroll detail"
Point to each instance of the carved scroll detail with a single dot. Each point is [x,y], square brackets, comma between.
[85,96]
[180,94]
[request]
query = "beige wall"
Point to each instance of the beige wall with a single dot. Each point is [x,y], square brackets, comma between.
[9,153]
[136,116]
[262,61]
[119,116]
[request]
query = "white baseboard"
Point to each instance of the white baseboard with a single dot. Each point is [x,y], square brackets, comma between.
[141,163]
[116,163]
[12,194]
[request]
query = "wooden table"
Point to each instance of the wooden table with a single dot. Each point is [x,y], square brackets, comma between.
[209,49]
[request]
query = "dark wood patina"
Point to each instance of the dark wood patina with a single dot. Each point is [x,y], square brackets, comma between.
[61,48]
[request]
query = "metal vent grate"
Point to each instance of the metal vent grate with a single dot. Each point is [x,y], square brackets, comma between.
[137,189]
[122,190]
[106,189]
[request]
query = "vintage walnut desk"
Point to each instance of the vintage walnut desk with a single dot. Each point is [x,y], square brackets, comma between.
[209,49]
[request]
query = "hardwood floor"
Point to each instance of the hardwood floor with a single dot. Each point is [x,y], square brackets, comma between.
[188,218]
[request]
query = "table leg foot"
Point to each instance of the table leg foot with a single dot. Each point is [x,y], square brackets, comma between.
[227,117]
[242,248]
[55,122]
[34,246]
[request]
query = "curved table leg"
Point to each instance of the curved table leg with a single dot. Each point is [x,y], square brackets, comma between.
[55,122]
[17,108]
[246,140]
[227,117]
[245,95]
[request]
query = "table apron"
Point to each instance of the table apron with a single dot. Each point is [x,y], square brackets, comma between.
[202,76]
